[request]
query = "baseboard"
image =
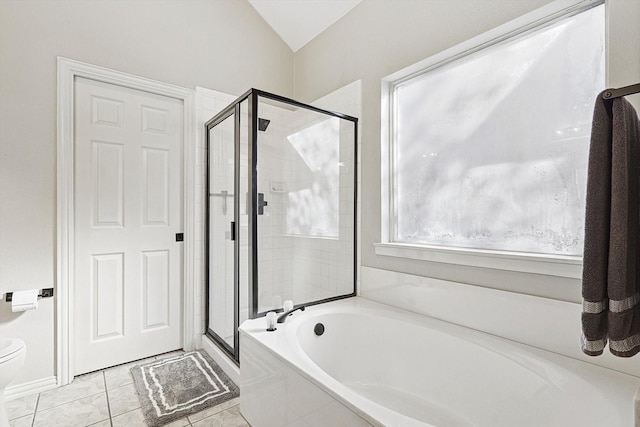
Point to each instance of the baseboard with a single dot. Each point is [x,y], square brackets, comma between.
[227,365]
[25,389]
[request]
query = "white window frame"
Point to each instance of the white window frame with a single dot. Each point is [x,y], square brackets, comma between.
[547,264]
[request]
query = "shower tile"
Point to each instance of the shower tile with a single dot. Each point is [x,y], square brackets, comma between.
[20,407]
[82,386]
[81,412]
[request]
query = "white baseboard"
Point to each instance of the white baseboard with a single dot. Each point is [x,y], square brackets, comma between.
[227,365]
[25,389]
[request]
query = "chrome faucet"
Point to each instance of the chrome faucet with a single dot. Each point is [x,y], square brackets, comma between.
[286,314]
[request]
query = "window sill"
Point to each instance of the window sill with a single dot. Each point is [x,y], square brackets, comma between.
[550,265]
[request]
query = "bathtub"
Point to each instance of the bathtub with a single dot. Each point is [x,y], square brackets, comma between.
[377,365]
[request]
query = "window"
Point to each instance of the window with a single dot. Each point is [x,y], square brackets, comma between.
[313,209]
[488,148]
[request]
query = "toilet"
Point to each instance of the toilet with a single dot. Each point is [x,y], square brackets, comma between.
[12,353]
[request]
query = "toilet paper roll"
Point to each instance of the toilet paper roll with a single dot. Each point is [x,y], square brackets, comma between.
[24,300]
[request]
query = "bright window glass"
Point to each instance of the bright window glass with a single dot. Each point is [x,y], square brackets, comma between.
[490,150]
[313,209]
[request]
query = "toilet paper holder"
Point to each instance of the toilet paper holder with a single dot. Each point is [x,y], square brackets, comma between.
[44,293]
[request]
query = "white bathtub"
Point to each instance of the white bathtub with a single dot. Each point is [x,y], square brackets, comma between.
[377,365]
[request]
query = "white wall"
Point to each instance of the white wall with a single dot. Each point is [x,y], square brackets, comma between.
[379,37]
[222,44]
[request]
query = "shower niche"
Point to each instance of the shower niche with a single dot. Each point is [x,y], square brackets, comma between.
[280,211]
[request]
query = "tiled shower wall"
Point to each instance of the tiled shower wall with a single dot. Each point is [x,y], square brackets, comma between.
[274,251]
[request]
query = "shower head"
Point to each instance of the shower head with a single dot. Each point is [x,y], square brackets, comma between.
[263,124]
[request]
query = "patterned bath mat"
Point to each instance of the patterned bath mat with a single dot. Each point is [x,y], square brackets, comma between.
[172,388]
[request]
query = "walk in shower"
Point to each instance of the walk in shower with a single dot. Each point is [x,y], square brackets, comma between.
[281,210]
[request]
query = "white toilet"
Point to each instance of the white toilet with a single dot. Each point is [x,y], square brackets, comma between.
[12,353]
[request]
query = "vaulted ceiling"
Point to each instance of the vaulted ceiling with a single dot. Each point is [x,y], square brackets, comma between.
[300,21]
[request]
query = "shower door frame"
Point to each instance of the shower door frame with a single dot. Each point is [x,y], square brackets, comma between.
[232,110]
[252,96]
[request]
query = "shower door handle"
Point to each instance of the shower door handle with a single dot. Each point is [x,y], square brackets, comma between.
[261,203]
[233,230]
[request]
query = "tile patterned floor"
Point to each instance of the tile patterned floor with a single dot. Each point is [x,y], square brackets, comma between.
[107,399]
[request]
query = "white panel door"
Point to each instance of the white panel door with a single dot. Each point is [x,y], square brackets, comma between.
[127,294]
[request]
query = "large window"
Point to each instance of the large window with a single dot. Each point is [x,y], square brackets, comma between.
[488,149]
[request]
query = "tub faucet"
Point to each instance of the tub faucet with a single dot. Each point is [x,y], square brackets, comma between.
[286,314]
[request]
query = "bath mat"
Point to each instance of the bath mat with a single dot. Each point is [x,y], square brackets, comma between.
[172,388]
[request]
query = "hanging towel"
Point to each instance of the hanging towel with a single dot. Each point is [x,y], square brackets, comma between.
[610,288]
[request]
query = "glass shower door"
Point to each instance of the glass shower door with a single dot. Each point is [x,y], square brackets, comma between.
[281,186]
[221,242]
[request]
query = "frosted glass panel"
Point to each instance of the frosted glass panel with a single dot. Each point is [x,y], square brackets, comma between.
[491,149]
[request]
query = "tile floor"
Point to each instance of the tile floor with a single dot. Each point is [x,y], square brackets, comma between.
[107,399]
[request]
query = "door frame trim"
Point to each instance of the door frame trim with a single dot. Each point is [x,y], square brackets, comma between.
[68,70]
